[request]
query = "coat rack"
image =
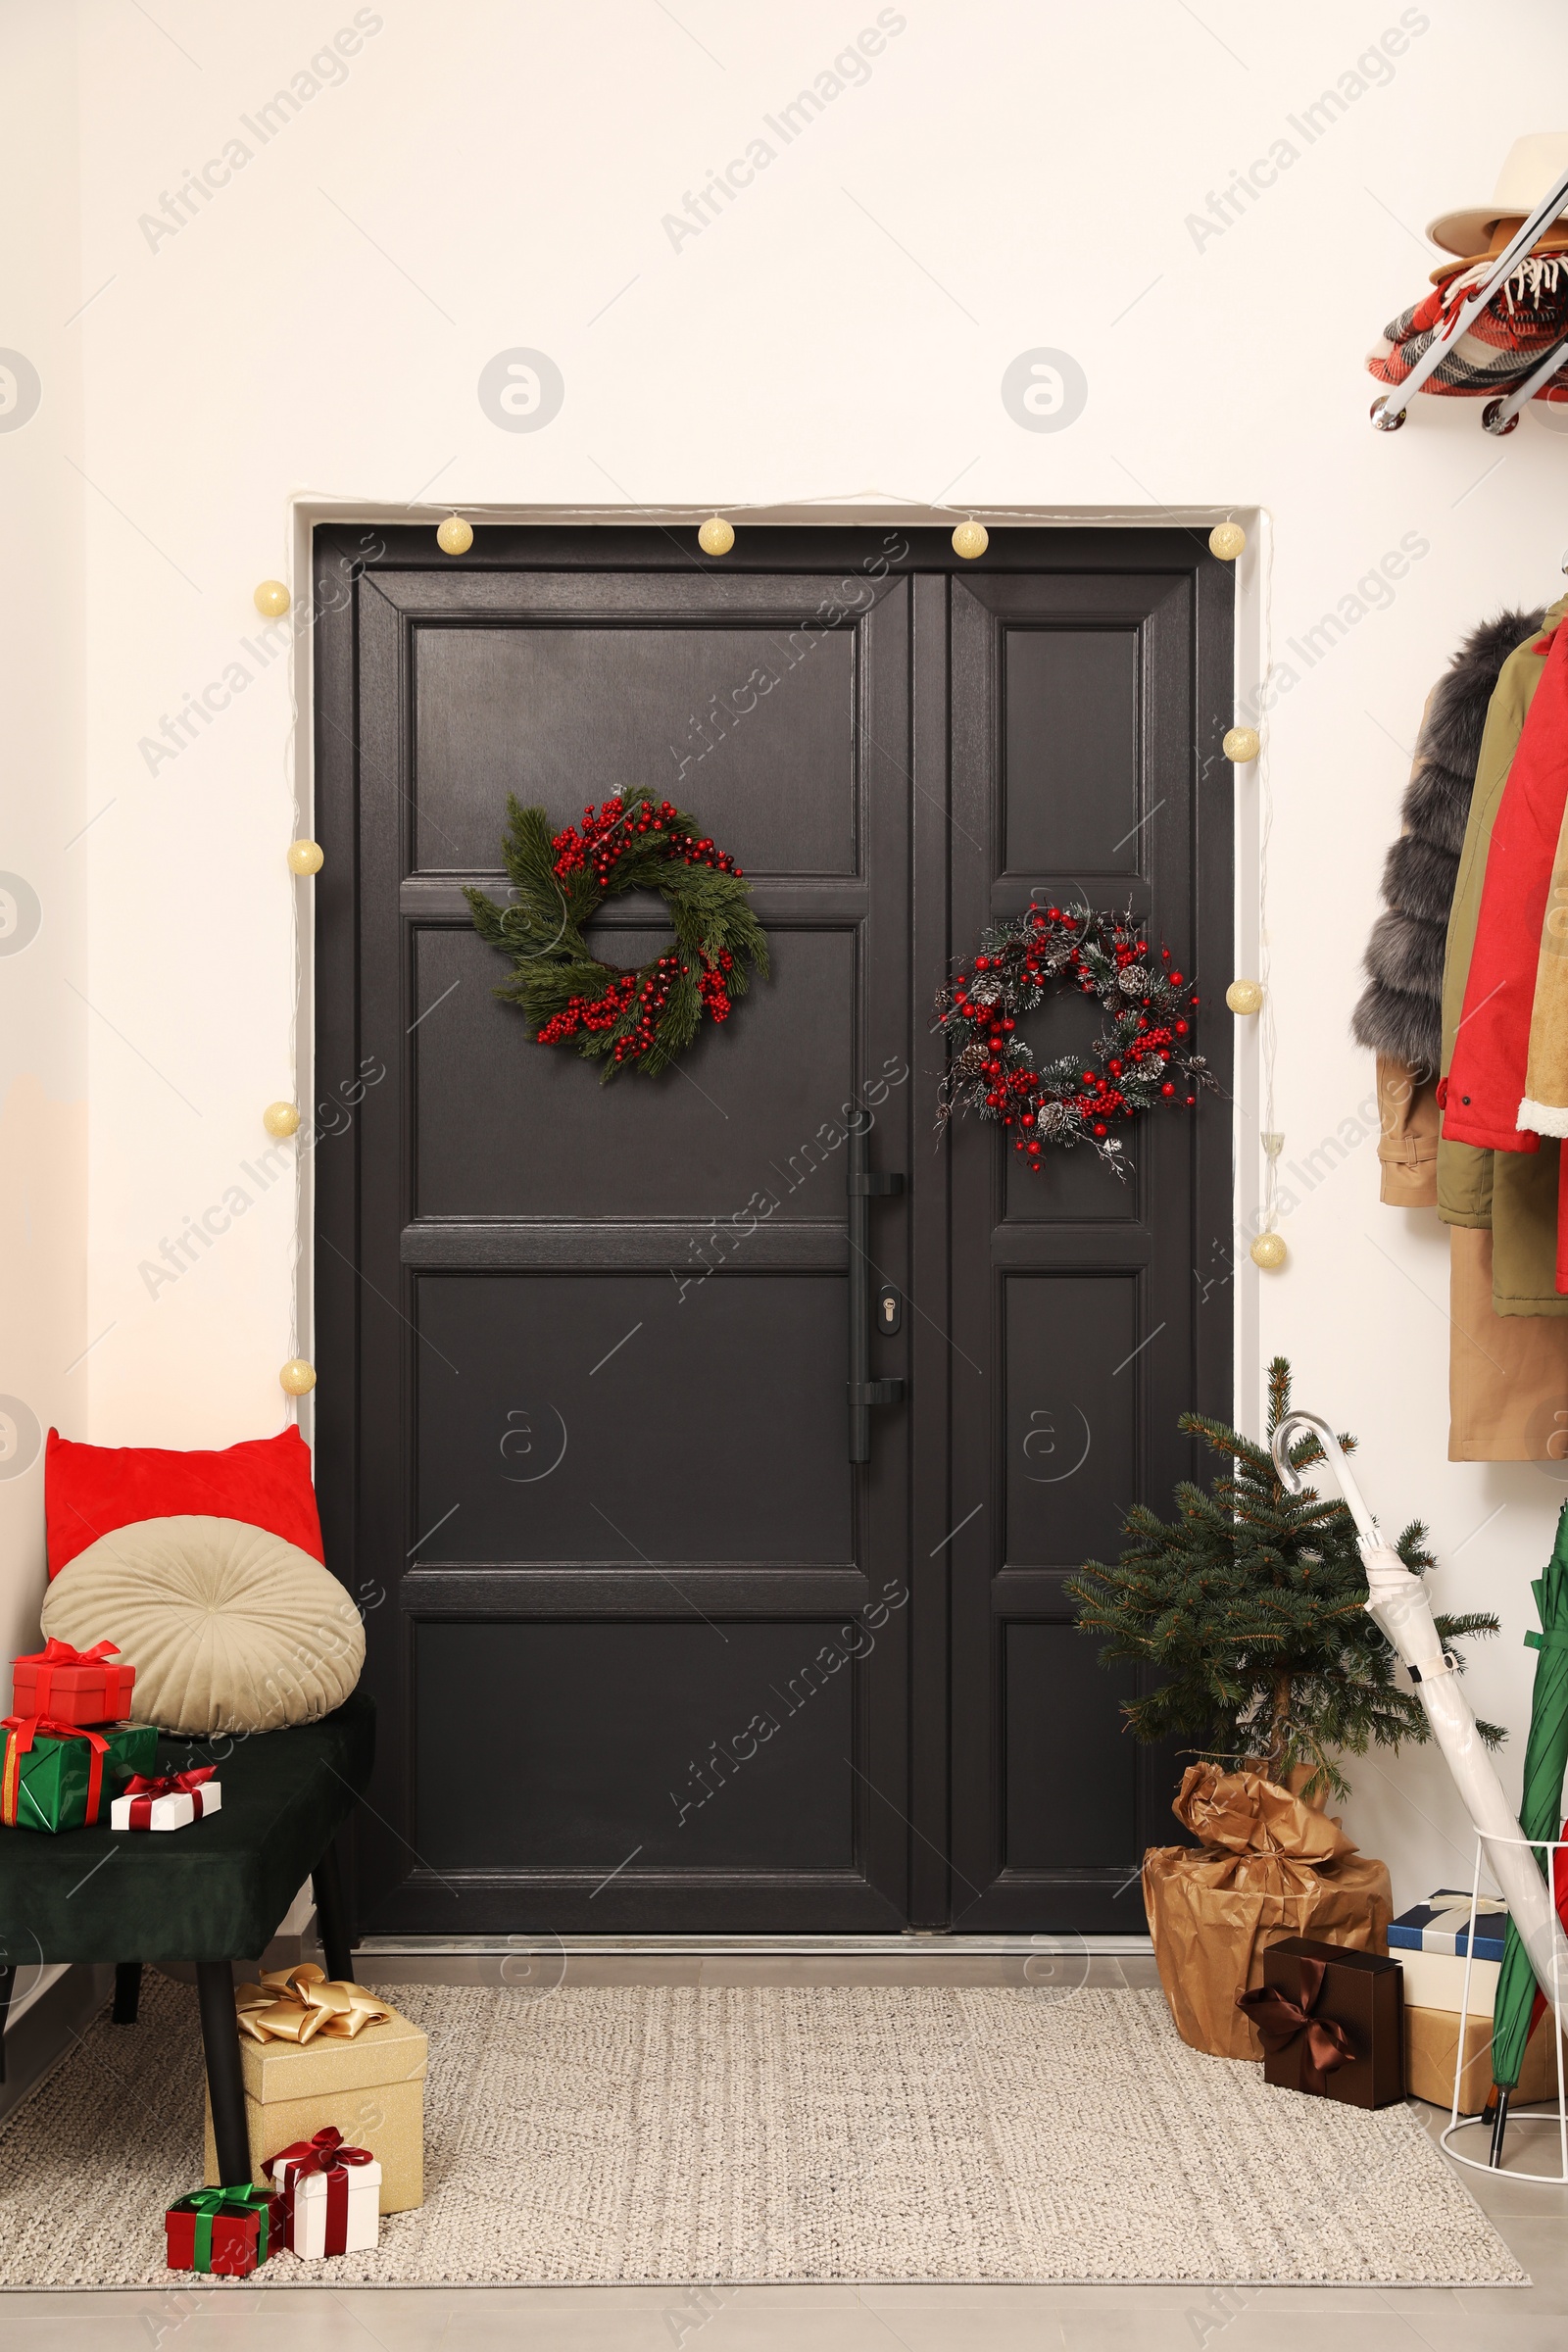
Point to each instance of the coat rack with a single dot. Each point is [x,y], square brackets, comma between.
[1498,416]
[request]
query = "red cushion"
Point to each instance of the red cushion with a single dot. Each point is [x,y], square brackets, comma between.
[89,1491]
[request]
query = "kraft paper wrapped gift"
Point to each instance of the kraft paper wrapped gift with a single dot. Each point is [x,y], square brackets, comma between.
[1267,1867]
[369,2085]
[1432,2045]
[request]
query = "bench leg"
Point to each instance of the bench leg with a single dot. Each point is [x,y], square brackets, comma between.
[127,1992]
[225,2082]
[331,1915]
[8,1977]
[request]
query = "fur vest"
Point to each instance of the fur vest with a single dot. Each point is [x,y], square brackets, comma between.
[1401,1010]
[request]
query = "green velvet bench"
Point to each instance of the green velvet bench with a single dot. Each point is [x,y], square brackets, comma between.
[212,1894]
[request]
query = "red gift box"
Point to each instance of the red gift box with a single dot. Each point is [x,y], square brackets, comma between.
[228,2231]
[73,1686]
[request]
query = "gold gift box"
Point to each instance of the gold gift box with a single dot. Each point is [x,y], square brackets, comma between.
[371,2087]
[1432,2047]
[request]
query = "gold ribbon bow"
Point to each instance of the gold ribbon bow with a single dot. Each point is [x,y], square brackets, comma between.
[295,2004]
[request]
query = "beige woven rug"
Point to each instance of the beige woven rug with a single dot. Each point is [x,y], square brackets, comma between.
[685,2134]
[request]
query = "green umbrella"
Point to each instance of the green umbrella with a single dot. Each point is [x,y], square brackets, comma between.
[1539,1815]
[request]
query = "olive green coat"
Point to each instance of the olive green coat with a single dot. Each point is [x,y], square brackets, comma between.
[1514,1192]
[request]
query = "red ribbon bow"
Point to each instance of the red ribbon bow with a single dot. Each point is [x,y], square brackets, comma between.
[1279,2020]
[63,1653]
[323,2153]
[167,1784]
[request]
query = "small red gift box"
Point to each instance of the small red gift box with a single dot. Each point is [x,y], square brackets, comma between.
[73,1686]
[228,2231]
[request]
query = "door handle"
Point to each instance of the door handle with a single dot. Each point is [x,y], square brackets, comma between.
[864,1391]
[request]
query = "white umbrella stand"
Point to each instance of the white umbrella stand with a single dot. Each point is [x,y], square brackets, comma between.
[1398,1599]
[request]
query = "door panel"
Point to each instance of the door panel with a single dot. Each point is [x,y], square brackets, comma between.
[1070,1463]
[729,1138]
[736,724]
[740,1768]
[609,1321]
[1068,1186]
[1071,1773]
[515,1370]
[1083,708]
[1070,749]
[650,1652]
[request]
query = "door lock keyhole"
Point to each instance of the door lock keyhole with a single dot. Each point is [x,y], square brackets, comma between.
[889,1310]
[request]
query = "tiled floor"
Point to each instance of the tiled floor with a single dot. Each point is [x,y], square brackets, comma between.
[1534,2220]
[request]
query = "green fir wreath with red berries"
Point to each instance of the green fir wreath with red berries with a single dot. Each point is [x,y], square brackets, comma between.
[642,1019]
[1144,1061]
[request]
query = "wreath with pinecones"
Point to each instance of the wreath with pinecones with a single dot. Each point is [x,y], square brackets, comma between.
[642,1019]
[1144,1061]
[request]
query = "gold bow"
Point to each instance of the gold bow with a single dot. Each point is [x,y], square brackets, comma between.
[295,2004]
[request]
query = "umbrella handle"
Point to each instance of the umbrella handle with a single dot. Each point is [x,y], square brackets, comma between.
[1300,1425]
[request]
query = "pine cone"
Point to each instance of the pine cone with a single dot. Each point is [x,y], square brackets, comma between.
[1135,981]
[1052,1119]
[971,1062]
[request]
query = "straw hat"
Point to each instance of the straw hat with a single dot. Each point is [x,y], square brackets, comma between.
[1535,163]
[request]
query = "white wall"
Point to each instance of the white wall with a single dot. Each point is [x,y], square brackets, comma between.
[44,1376]
[1007,176]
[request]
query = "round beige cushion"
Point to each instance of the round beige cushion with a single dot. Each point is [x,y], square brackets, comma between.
[230,1628]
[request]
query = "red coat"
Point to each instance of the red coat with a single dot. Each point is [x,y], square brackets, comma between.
[1486,1079]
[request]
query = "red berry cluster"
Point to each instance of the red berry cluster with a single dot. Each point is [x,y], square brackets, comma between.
[597,844]
[608,835]
[712,986]
[652,986]
[589,1012]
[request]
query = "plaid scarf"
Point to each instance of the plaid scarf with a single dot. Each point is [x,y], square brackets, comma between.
[1510,338]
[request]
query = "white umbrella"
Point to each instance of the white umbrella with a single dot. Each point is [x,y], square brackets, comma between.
[1398,1599]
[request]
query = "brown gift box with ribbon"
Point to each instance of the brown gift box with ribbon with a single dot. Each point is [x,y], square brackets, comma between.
[1268,1867]
[318,2052]
[1331,2022]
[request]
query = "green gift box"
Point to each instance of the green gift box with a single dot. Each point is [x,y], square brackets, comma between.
[61,1776]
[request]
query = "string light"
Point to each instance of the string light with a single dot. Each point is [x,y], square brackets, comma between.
[306,857]
[1227,540]
[273,599]
[970,539]
[297,1378]
[280,1118]
[1245,996]
[1273,1257]
[454,537]
[1240,744]
[717,537]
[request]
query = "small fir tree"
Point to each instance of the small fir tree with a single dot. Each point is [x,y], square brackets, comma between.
[1250,1606]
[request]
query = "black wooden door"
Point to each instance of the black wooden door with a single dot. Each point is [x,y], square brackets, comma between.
[654,1652]
[1087,1312]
